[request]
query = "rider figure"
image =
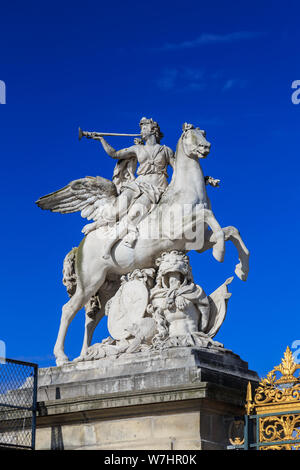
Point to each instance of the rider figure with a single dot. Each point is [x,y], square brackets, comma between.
[137,195]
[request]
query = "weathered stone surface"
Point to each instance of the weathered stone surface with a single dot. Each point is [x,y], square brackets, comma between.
[138,219]
[142,371]
[127,307]
[159,381]
[182,398]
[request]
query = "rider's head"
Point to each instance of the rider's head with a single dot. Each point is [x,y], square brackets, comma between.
[150,127]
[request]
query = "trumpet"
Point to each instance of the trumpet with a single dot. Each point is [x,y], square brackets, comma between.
[93,135]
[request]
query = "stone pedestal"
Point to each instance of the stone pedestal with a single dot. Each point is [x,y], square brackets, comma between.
[180,398]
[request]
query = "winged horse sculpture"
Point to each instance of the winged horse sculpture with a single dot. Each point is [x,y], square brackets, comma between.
[89,195]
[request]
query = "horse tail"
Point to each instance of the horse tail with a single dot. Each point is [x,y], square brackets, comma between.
[69,274]
[93,306]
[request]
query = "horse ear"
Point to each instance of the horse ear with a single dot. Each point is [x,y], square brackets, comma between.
[201,130]
[186,126]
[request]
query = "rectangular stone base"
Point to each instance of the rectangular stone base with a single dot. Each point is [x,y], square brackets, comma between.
[180,398]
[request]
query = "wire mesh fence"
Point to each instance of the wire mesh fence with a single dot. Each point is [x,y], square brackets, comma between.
[18,393]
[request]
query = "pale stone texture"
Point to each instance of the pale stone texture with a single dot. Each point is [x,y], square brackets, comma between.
[180,399]
[173,431]
[132,228]
[174,312]
[159,381]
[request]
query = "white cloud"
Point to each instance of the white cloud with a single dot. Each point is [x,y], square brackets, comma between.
[167,79]
[181,79]
[211,38]
[234,83]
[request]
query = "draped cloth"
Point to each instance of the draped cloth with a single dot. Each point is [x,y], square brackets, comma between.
[155,164]
[190,292]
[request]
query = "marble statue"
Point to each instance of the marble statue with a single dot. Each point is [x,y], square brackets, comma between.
[159,309]
[132,263]
[136,195]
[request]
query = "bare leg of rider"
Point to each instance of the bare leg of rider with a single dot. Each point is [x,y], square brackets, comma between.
[127,227]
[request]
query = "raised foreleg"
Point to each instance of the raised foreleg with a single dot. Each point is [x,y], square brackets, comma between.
[219,236]
[231,233]
[242,268]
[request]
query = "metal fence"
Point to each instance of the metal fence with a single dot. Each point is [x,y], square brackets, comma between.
[18,403]
[267,431]
[272,419]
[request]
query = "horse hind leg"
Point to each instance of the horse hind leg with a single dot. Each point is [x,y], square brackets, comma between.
[95,311]
[93,314]
[94,302]
[69,311]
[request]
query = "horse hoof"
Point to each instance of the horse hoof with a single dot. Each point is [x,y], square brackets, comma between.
[219,247]
[218,254]
[242,275]
[78,359]
[60,361]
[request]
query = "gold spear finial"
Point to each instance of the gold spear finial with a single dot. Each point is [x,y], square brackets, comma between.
[249,404]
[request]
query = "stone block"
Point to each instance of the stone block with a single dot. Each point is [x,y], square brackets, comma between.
[187,444]
[43,438]
[183,425]
[78,435]
[118,431]
[180,399]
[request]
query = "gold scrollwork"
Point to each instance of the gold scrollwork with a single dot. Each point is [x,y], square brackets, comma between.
[276,404]
[274,389]
[281,447]
[279,428]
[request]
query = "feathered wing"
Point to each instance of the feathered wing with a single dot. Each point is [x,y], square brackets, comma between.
[86,195]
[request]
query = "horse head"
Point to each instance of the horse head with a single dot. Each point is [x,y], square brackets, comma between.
[194,141]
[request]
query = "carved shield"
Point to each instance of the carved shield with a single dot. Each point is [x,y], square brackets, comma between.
[127,307]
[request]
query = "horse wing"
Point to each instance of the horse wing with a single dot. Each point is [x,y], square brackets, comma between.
[87,195]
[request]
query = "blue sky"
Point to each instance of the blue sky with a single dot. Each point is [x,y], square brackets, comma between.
[226,66]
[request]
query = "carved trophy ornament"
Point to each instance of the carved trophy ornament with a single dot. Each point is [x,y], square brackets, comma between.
[132,263]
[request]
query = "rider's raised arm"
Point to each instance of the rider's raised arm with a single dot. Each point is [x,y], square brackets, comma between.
[122,154]
[171,157]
